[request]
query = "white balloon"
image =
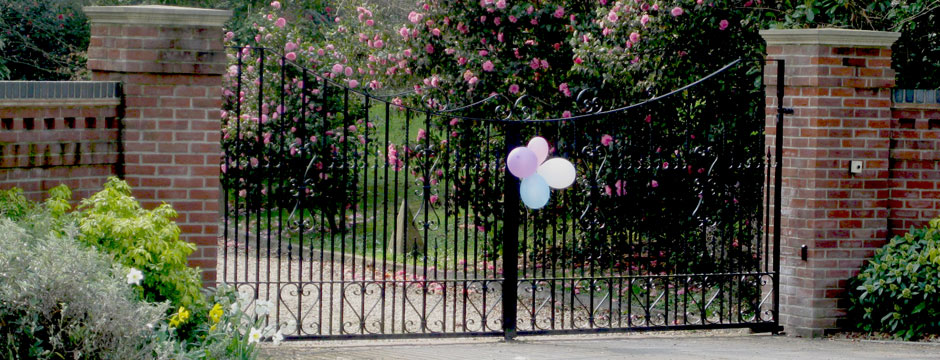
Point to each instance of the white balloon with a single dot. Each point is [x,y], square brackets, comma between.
[559,173]
[539,146]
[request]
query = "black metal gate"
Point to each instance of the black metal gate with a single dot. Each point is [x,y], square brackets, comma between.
[358,217]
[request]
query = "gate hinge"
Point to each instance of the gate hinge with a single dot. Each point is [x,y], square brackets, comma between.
[787,111]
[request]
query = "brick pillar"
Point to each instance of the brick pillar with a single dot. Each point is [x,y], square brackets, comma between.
[171,61]
[838,82]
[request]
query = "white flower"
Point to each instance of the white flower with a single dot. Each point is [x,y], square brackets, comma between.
[134,277]
[254,335]
[263,307]
[278,337]
[235,308]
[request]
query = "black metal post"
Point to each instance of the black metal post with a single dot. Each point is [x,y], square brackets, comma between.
[510,237]
[778,184]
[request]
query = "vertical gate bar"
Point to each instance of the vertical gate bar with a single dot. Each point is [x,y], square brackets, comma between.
[259,179]
[385,160]
[344,166]
[510,237]
[778,183]
[426,201]
[238,145]
[447,204]
[395,211]
[408,220]
[301,196]
[279,133]
[365,213]
[375,192]
[324,106]
[468,183]
[764,257]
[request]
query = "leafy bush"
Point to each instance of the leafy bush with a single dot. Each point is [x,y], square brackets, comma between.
[115,223]
[897,291]
[60,300]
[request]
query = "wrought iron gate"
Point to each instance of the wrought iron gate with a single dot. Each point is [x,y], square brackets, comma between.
[358,217]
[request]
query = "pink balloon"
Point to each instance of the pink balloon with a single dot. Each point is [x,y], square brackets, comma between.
[539,146]
[522,162]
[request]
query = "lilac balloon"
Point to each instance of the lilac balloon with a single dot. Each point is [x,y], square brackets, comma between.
[539,146]
[522,162]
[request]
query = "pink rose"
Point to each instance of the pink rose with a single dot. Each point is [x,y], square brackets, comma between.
[353,83]
[654,184]
[281,23]
[676,11]
[566,114]
[723,24]
[634,37]
[276,5]
[606,140]
[514,88]
[291,56]
[501,4]
[488,66]
[559,12]
[644,20]
[612,16]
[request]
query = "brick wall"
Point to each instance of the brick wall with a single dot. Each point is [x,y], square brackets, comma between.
[55,133]
[170,61]
[915,151]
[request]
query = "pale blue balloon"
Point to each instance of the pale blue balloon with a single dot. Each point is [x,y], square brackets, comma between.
[534,191]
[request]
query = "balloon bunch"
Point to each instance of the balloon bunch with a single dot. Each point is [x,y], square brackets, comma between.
[538,174]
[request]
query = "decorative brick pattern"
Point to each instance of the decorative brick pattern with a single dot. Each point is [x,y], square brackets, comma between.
[55,133]
[171,70]
[841,97]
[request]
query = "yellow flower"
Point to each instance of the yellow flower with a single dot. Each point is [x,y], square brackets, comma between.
[180,317]
[216,313]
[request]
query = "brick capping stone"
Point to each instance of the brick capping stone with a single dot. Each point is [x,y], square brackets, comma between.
[828,36]
[157,15]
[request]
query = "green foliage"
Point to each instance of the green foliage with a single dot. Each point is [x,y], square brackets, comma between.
[896,292]
[59,299]
[115,223]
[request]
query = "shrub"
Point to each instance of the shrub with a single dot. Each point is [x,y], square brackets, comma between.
[115,223]
[60,300]
[896,292]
